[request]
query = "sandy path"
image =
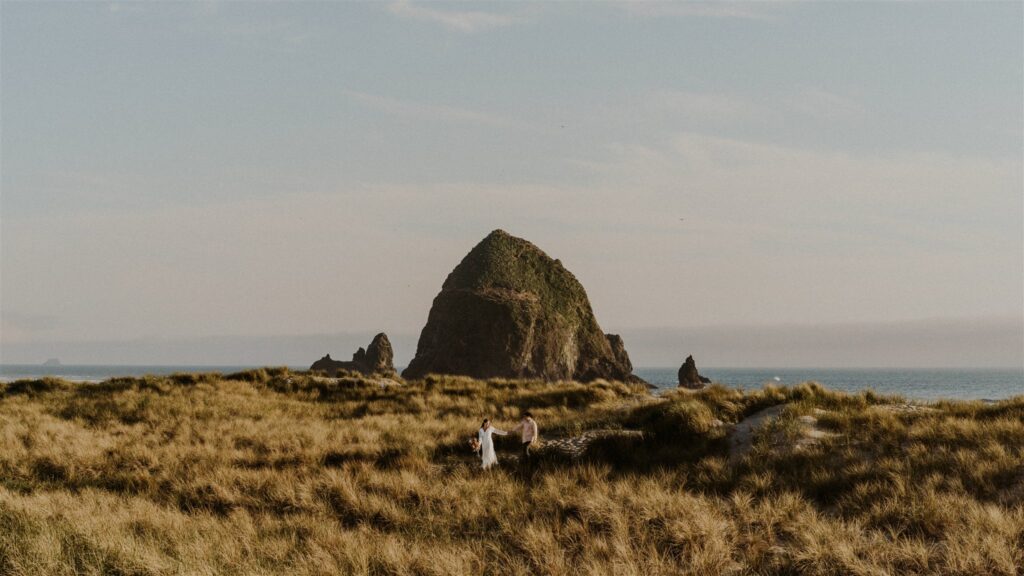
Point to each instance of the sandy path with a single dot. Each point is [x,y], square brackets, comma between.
[742,438]
[810,434]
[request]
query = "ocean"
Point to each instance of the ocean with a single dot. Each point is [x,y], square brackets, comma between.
[919,384]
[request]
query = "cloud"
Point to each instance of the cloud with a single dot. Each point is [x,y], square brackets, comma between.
[654,115]
[689,9]
[125,7]
[799,104]
[824,105]
[400,107]
[690,230]
[466,21]
[786,233]
[702,231]
[247,29]
[706,106]
[741,178]
[18,326]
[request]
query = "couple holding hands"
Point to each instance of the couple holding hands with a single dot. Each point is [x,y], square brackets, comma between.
[484,444]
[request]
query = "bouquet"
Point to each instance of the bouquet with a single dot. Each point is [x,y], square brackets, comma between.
[474,445]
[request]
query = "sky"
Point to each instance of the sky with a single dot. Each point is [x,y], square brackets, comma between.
[181,180]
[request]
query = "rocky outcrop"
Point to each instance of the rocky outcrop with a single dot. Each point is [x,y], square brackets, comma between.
[380,355]
[508,310]
[377,358]
[619,351]
[689,377]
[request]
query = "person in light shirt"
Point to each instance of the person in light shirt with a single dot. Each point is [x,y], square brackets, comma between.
[528,427]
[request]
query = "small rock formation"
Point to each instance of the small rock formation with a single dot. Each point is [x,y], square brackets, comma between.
[377,358]
[689,377]
[508,310]
[380,356]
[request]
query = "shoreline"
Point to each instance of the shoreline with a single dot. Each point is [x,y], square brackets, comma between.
[1009,382]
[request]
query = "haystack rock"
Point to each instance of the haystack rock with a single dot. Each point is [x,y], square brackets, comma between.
[510,311]
[377,358]
[689,377]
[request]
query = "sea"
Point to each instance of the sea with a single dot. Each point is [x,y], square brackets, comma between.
[911,383]
[916,384]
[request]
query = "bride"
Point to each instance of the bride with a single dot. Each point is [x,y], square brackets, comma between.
[487,443]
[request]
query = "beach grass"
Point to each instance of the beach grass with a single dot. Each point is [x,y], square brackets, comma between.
[279,472]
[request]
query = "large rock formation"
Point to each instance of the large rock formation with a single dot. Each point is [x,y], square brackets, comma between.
[377,358]
[508,310]
[689,377]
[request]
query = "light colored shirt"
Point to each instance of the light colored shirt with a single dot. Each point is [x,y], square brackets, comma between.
[529,428]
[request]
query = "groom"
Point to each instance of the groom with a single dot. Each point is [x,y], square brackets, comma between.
[528,426]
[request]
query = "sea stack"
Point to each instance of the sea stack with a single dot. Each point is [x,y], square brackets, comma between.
[377,358]
[689,377]
[508,310]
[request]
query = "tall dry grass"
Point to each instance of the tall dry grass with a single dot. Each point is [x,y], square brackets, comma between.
[274,472]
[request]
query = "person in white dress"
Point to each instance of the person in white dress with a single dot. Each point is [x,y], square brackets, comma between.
[487,455]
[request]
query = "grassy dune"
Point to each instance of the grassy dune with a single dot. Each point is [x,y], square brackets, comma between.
[273,472]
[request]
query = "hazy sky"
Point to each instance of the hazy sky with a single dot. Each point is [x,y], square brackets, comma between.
[186,170]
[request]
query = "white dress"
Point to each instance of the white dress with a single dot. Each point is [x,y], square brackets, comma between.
[487,446]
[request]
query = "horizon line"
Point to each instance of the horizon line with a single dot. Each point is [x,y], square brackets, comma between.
[635,368]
